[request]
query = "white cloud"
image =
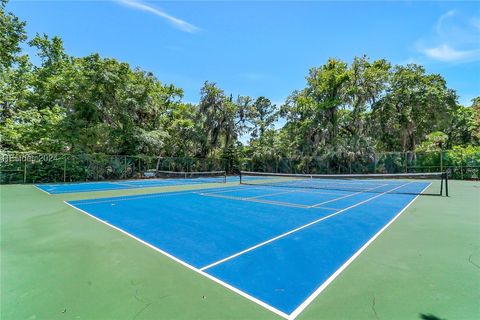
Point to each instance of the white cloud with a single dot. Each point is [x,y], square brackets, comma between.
[176,22]
[446,53]
[455,39]
[441,20]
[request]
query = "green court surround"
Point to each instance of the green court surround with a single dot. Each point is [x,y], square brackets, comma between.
[59,264]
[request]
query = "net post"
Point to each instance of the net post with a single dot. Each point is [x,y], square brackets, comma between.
[240,176]
[225,177]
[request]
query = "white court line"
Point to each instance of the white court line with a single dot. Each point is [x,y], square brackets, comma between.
[154,195]
[42,190]
[278,203]
[189,266]
[265,187]
[296,230]
[336,182]
[129,198]
[319,191]
[327,208]
[161,194]
[272,194]
[78,191]
[322,287]
[316,189]
[302,189]
[331,181]
[228,190]
[124,184]
[346,196]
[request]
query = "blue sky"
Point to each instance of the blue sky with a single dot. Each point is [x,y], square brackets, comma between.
[264,48]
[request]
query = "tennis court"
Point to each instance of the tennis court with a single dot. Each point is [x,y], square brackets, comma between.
[278,242]
[272,247]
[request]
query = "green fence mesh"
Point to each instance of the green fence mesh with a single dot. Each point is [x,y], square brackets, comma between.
[40,168]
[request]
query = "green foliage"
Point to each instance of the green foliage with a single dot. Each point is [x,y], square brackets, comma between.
[415,104]
[12,34]
[434,141]
[223,120]
[33,130]
[463,156]
[263,116]
[345,114]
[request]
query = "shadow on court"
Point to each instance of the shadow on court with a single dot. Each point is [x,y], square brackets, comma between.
[424,316]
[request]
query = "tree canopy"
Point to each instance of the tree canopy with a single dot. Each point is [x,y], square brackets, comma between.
[98,104]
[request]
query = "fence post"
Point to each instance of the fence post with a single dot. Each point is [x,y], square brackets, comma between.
[461,167]
[125,169]
[64,168]
[441,160]
[25,171]
[406,162]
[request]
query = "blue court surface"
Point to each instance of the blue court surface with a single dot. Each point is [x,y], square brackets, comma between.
[61,188]
[279,247]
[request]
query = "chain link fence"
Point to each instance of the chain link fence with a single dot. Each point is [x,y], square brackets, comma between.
[460,165]
[18,167]
[41,168]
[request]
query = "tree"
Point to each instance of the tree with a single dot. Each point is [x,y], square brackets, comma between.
[312,113]
[345,113]
[12,35]
[415,104]
[223,119]
[264,115]
[184,131]
[212,115]
[118,110]
[463,127]
[15,76]
[367,83]
[476,120]
[434,141]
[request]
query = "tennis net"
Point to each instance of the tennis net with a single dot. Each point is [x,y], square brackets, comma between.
[202,177]
[435,183]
